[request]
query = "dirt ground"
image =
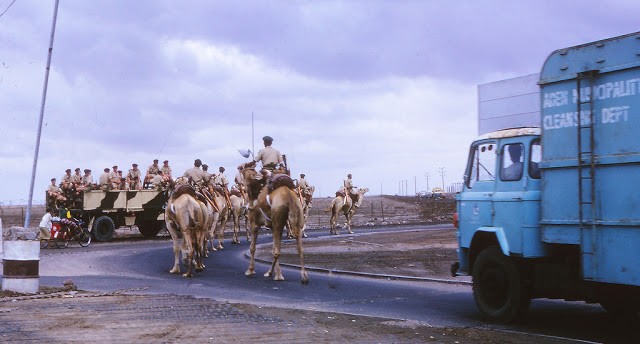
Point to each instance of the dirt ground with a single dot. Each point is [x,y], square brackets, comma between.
[427,254]
[57,315]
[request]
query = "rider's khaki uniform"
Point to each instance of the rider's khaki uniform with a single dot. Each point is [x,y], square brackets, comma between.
[269,157]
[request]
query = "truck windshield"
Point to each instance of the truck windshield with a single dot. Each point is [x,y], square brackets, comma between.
[483,164]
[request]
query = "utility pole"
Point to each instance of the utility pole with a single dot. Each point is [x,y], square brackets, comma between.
[415,185]
[442,172]
[44,98]
[426,176]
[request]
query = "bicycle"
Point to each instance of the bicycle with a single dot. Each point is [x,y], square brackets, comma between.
[67,229]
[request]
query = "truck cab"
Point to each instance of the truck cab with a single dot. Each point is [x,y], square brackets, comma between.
[500,202]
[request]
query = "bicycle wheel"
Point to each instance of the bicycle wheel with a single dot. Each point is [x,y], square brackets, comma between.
[83,237]
[61,240]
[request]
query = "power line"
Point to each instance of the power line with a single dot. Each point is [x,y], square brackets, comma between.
[8,7]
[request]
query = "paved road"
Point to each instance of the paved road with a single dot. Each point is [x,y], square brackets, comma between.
[142,266]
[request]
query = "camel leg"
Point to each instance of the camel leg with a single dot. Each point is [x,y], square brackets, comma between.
[176,247]
[275,266]
[189,248]
[236,227]
[252,249]
[303,272]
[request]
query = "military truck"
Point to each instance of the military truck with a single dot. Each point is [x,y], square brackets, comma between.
[553,211]
[104,211]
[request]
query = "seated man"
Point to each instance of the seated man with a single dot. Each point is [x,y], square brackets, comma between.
[512,171]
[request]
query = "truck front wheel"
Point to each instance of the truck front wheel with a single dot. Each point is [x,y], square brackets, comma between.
[103,228]
[498,287]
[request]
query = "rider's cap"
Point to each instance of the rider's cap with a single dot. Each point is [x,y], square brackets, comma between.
[302,175]
[268,138]
[115,166]
[134,165]
[68,170]
[166,161]
[52,179]
[221,169]
[87,170]
[155,160]
[77,168]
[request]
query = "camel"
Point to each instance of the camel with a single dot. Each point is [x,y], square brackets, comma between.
[348,208]
[273,208]
[185,214]
[219,220]
[238,211]
[306,206]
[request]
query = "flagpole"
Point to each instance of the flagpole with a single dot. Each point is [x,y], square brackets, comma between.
[44,98]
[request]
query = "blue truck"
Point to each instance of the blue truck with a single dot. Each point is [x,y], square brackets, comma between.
[553,211]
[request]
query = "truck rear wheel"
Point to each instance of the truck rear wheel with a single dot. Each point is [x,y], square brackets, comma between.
[103,228]
[150,228]
[498,287]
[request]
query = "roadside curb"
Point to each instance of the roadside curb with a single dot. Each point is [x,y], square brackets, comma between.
[358,273]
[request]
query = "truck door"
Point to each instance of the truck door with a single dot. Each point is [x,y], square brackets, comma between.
[517,195]
[475,208]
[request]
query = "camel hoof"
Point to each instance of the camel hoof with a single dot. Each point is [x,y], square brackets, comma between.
[188,275]
[249,273]
[304,235]
[350,232]
[278,278]
[174,271]
[305,280]
[267,274]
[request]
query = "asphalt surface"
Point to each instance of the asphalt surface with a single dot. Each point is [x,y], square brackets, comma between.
[140,268]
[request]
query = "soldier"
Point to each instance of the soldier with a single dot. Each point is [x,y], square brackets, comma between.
[114,178]
[105,180]
[206,180]
[239,180]
[54,193]
[269,156]
[87,180]
[221,179]
[133,176]
[348,187]
[195,174]
[76,179]
[158,181]
[66,181]
[166,170]
[152,171]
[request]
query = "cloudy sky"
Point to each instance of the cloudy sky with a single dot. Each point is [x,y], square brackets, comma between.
[385,90]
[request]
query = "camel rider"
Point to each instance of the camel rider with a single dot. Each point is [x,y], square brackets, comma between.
[222,181]
[348,186]
[304,187]
[207,176]
[195,175]
[269,156]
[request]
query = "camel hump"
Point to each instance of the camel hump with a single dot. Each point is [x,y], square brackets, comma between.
[183,189]
[340,193]
[235,192]
[278,180]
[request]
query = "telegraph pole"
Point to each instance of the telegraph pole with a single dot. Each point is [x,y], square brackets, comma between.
[442,172]
[44,98]
[426,175]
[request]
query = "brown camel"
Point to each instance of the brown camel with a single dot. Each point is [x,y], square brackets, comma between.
[219,221]
[185,214]
[238,211]
[347,207]
[274,209]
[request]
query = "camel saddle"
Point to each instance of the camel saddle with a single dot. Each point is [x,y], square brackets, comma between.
[235,191]
[278,180]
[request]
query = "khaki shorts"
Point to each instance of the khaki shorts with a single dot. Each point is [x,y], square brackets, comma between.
[45,233]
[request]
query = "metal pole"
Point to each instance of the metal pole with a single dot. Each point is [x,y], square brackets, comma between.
[253,146]
[44,98]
